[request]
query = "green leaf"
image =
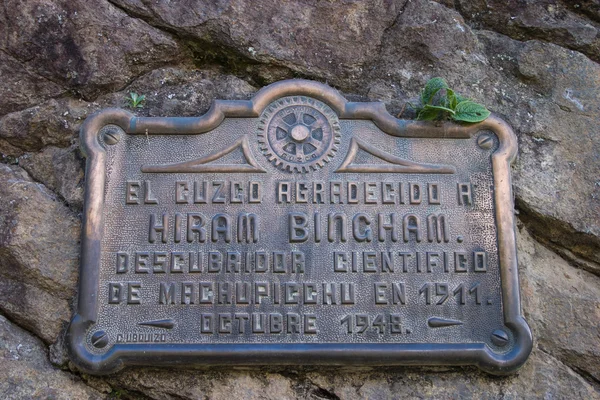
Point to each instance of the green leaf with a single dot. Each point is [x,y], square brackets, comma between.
[460,99]
[439,108]
[433,86]
[451,99]
[428,114]
[142,97]
[134,96]
[469,111]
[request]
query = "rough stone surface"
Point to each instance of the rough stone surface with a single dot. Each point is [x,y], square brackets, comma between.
[39,252]
[535,63]
[34,309]
[542,377]
[52,123]
[22,87]
[571,24]
[39,236]
[562,306]
[27,374]
[89,47]
[558,166]
[183,92]
[60,170]
[320,39]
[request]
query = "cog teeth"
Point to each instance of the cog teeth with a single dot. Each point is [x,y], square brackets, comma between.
[327,149]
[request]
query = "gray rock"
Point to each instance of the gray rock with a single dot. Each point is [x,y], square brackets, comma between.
[27,374]
[429,38]
[56,122]
[562,306]
[60,170]
[52,123]
[589,8]
[542,377]
[180,92]
[33,308]
[38,235]
[564,22]
[557,174]
[39,254]
[78,45]
[218,384]
[321,40]
[21,87]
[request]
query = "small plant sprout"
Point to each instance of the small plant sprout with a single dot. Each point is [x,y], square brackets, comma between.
[439,102]
[135,100]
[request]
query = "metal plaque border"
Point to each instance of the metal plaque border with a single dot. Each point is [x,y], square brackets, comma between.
[120,355]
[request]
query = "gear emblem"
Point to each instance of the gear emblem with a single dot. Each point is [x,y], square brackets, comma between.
[298,133]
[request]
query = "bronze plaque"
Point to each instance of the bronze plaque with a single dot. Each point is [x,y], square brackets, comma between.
[297,228]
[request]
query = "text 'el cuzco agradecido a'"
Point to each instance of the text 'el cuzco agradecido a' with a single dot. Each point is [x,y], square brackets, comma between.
[299,192]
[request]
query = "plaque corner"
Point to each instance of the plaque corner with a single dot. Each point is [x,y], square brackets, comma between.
[505,363]
[82,358]
[90,143]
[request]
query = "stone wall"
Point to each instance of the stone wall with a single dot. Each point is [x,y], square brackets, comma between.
[535,63]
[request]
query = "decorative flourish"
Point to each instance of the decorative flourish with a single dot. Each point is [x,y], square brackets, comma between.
[395,164]
[159,323]
[204,164]
[435,322]
[299,133]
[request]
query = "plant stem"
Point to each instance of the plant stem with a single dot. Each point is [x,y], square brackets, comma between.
[441,108]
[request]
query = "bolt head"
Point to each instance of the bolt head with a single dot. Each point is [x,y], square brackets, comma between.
[499,337]
[111,134]
[485,141]
[99,339]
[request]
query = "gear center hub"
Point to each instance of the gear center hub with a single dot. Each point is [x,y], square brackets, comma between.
[300,133]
